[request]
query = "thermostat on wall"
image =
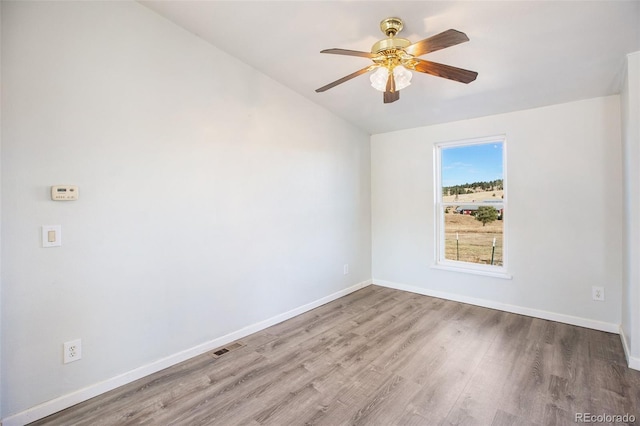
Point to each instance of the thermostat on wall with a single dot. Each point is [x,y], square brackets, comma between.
[64,193]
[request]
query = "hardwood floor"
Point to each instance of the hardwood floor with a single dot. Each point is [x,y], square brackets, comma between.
[383,357]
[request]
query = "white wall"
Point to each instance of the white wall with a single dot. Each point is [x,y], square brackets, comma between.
[630,106]
[211,197]
[0,221]
[564,213]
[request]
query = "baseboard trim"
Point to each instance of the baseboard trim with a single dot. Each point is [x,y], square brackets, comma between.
[632,362]
[537,313]
[53,406]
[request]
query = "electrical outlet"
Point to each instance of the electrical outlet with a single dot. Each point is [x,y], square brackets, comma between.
[346,268]
[72,351]
[597,293]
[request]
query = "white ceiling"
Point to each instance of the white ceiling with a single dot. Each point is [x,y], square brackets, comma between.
[527,53]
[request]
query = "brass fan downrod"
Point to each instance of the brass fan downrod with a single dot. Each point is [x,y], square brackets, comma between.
[390,27]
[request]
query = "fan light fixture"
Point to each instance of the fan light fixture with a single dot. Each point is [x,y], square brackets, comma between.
[401,75]
[379,79]
[393,57]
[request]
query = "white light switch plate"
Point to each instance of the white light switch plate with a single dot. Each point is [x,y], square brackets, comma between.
[51,235]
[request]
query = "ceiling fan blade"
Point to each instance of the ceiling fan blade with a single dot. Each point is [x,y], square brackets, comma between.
[439,41]
[348,52]
[391,97]
[391,94]
[445,71]
[346,78]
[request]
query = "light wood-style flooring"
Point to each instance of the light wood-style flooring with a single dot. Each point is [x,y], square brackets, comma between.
[385,357]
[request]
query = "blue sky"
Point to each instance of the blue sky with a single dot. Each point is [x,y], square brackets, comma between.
[471,163]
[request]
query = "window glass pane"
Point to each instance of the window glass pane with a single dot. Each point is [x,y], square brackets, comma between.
[468,239]
[472,173]
[472,200]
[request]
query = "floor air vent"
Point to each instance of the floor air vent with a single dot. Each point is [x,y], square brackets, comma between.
[230,347]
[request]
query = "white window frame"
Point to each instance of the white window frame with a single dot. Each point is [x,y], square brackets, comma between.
[455,265]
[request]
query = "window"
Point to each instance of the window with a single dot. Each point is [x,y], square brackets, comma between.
[470,203]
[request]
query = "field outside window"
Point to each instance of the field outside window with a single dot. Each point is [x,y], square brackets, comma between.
[471,204]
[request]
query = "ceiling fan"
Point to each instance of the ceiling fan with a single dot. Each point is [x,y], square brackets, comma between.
[393,57]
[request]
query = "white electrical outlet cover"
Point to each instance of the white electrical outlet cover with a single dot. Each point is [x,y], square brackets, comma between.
[597,293]
[72,351]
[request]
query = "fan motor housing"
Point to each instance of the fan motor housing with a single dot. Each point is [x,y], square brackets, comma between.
[390,43]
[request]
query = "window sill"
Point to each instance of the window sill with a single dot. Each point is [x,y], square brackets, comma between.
[473,271]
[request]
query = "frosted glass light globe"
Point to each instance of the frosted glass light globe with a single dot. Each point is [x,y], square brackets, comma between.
[402,77]
[379,79]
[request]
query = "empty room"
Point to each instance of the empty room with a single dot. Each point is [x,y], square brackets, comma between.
[319,212]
